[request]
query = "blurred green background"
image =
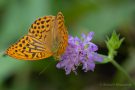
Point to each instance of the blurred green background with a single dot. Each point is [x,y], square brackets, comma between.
[100,16]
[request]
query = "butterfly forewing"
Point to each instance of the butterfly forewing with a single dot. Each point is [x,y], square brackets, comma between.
[41,27]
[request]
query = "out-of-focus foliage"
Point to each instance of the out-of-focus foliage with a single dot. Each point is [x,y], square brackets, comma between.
[100,16]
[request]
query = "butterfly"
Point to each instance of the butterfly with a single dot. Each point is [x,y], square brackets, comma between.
[47,36]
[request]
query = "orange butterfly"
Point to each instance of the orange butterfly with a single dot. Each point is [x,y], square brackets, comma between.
[47,37]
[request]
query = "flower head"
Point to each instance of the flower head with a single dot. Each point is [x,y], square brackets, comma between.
[80,52]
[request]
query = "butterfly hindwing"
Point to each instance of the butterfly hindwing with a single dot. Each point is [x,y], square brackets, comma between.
[29,48]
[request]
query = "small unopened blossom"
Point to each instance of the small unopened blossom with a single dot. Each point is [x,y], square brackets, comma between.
[80,52]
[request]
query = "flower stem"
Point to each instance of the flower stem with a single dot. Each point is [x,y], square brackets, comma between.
[123,71]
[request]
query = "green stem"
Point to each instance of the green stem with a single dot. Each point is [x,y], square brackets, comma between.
[123,71]
[111,55]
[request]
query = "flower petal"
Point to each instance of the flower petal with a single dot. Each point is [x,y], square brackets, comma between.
[79,52]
